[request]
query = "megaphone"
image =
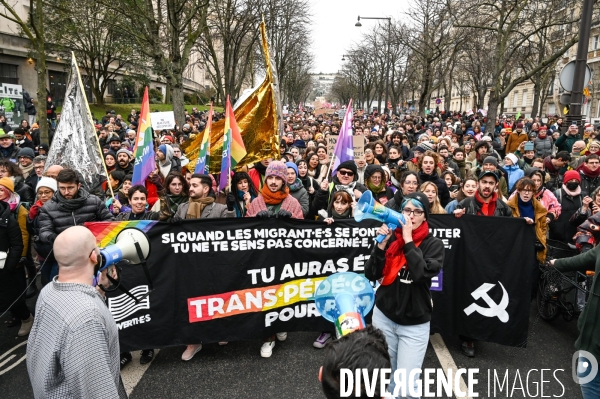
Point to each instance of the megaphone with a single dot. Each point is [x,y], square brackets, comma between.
[131,246]
[368,208]
[345,299]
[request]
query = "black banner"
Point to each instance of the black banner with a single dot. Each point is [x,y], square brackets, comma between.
[236,279]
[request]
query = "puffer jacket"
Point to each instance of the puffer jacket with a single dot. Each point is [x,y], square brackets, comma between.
[443,192]
[58,214]
[543,147]
[11,241]
[25,191]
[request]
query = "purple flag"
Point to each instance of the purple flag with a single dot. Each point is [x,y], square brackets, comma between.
[344,148]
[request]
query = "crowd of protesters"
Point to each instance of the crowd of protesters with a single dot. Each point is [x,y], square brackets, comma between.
[544,172]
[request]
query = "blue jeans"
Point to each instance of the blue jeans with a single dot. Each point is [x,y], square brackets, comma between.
[591,390]
[406,345]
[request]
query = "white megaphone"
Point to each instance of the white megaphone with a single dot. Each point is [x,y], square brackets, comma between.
[345,299]
[131,245]
[367,208]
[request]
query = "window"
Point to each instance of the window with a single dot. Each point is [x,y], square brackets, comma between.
[515,99]
[524,100]
[110,88]
[551,109]
[595,43]
[551,87]
[8,74]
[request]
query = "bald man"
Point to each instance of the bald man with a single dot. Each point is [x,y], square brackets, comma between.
[73,347]
[53,171]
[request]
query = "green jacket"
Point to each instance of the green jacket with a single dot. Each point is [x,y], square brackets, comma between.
[589,320]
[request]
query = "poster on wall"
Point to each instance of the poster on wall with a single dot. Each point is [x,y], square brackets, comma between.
[11,103]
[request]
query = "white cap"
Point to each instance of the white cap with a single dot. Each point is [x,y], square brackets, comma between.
[46,182]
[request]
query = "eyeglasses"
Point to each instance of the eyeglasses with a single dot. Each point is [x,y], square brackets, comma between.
[527,190]
[346,172]
[416,212]
[45,193]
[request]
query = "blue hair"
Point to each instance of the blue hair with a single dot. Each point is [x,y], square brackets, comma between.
[413,202]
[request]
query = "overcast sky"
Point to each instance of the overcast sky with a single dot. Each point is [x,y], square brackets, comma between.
[333,29]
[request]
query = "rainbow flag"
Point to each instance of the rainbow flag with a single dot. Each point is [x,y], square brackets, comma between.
[144,146]
[204,155]
[106,232]
[233,146]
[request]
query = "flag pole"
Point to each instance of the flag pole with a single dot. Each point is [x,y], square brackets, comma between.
[89,114]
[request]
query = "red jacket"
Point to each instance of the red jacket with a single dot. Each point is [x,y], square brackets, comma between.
[257,178]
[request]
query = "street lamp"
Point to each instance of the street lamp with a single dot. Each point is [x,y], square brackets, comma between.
[344,57]
[387,54]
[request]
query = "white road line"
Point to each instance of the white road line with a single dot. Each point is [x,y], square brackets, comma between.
[13,348]
[134,371]
[8,360]
[13,365]
[447,362]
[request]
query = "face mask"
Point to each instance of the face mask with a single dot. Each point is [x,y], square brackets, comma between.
[572,186]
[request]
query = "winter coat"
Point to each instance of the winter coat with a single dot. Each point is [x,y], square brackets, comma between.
[396,202]
[148,215]
[472,207]
[58,214]
[541,226]
[301,196]
[514,140]
[211,211]
[11,241]
[25,191]
[514,174]
[565,143]
[543,147]
[564,227]
[323,197]
[11,153]
[443,192]
[589,184]
[289,204]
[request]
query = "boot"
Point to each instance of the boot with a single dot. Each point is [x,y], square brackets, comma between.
[25,326]
[32,287]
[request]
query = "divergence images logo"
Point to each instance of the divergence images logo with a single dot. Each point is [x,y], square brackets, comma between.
[584,367]
[123,306]
[495,309]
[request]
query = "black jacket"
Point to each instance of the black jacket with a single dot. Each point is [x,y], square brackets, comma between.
[145,216]
[24,190]
[408,303]
[473,208]
[11,241]
[589,184]
[323,197]
[443,192]
[396,202]
[58,214]
[563,229]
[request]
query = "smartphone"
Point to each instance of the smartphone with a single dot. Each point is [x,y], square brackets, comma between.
[453,187]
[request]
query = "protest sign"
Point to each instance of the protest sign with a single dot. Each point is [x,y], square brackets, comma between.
[162,120]
[331,140]
[235,279]
[359,147]
[11,104]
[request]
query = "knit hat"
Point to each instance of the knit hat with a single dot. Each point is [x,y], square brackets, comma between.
[350,165]
[27,152]
[114,138]
[162,148]
[293,166]
[44,147]
[491,160]
[571,175]
[519,126]
[166,138]
[513,158]
[426,145]
[299,144]
[543,127]
[46,182]
[8,183]
[371,169]
[422,198]
[126,151]
[277,169]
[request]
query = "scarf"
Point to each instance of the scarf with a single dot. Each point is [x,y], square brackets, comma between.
[13,201]
[588,172]
[347,188]
[315,172]
[173,202]
[376,189]
[526,208]
[260,168]
[197,206]
[305,181]
[549,166]
[395,260]
[35,209]
[274,198]
[343,215]
[295,186]
[487,208]
[572,193]
[26,170]
[70,205]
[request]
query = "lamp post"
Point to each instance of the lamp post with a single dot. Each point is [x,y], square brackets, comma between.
[387,55]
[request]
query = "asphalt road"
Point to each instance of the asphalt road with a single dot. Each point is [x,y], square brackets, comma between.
[237,370]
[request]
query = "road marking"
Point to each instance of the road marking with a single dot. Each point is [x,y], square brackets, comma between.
[11,357]
[134,371]
[13,365]
[8,360]
[13,348]
[447,362]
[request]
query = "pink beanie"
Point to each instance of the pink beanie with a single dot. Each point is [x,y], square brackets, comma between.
[277,169]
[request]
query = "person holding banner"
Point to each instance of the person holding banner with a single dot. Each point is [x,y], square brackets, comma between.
[405,262]
[275,200]
[201,205]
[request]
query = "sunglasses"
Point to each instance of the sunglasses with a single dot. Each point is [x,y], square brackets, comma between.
[346,172]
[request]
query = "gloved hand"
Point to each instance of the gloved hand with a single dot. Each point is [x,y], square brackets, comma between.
[230,201]
[263,214]
[283,214]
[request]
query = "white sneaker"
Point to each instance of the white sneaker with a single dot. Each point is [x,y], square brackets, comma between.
[223,343]
[281,336]
[190,351]
[267,349]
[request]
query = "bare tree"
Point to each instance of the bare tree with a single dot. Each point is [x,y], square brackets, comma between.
[33,29]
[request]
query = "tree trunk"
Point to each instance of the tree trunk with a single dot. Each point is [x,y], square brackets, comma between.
[178,103]
[536,96]
[492,113]
[40,47]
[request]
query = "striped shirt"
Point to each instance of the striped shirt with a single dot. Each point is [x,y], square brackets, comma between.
[73,347]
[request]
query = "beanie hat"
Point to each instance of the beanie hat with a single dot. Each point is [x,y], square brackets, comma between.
[371,169]
[44,147]
[350,165]
[420,149]
[114,137]
[277,169]
[571,175]
[512,157]
[293,166]
[426,145]
[519,126]
[491,160]
[162,148]
[8,183]
[27,152]
[543,127]
[47,182]
[422,198]
[126,151]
